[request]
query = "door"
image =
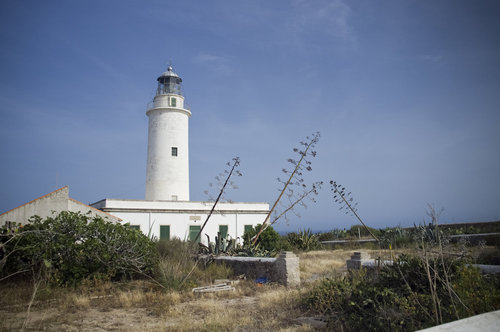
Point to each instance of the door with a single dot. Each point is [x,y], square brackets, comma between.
[193,232]
[223,231]
[164,232]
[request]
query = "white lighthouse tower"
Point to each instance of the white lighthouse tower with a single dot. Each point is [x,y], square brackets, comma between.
[167,212]
[167,173]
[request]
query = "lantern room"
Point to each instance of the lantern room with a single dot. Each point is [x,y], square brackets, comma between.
[169,83]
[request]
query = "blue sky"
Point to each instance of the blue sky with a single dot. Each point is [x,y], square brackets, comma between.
[406,95]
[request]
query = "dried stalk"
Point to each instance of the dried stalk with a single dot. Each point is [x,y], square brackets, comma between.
[235,164]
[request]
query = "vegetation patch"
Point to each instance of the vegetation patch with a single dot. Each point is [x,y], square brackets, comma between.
[71,247]
[402,297]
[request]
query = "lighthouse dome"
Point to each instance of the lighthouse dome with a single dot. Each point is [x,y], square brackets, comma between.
[169,73]
[169,82]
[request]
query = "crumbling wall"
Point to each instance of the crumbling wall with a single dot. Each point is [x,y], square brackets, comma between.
[284,269]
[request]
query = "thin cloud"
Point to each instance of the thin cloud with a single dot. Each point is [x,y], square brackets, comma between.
[331,16]
[215,62]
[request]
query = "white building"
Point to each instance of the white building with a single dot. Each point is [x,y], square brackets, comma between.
[49,206]
[167,211]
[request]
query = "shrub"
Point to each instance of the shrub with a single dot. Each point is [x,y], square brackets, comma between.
[481,294]
[396,237]
[399,298]
[72,246]
[361,230]
[304,240]
[334,234]
[489,256]
[354,303]
[269,239]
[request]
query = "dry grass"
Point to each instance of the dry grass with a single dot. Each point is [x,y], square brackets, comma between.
[81,302]
[142,305]
[315,264]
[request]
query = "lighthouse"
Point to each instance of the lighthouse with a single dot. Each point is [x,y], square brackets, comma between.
[167,212]
[167,171]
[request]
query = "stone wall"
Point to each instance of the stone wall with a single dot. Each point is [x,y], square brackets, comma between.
[284,269]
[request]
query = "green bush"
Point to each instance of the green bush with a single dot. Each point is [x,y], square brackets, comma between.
[72,246]
[385,302]
[489,256]
[334,234]
[304,240]
[480,293]
[357,230]
[268,240]
[396,237]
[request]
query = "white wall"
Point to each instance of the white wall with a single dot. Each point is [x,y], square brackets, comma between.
[50,205]
[42,206]
[149,215]
[166,175]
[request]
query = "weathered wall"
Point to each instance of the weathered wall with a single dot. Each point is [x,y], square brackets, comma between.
[42,206]
[284,269]
[76,206]
[50,205]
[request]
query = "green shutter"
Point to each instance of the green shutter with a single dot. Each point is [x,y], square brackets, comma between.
[135,227]
[173,102]
[223,231]
[248,228]
[193,232]
[164,232]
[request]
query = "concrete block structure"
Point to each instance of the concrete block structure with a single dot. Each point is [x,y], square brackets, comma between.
[283,270]
[358,259]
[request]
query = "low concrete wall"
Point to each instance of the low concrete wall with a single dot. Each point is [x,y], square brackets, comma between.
[481,323]
[362,259]
[284,269]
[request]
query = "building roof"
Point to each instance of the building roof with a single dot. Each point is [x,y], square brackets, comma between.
[55,201]
[36,199]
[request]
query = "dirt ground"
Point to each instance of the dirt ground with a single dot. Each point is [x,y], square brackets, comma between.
[139,306]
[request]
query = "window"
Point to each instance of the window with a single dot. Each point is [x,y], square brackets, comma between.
[173,102]
[174,197]
[193,232]
[223,231]
[164,232]
[246,234]
[174,151]
[248,228]
[135,227]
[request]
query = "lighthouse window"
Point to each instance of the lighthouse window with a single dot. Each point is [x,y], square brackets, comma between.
[174,151]
[173,102]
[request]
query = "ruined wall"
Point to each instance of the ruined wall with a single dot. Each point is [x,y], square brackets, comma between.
[284,269]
